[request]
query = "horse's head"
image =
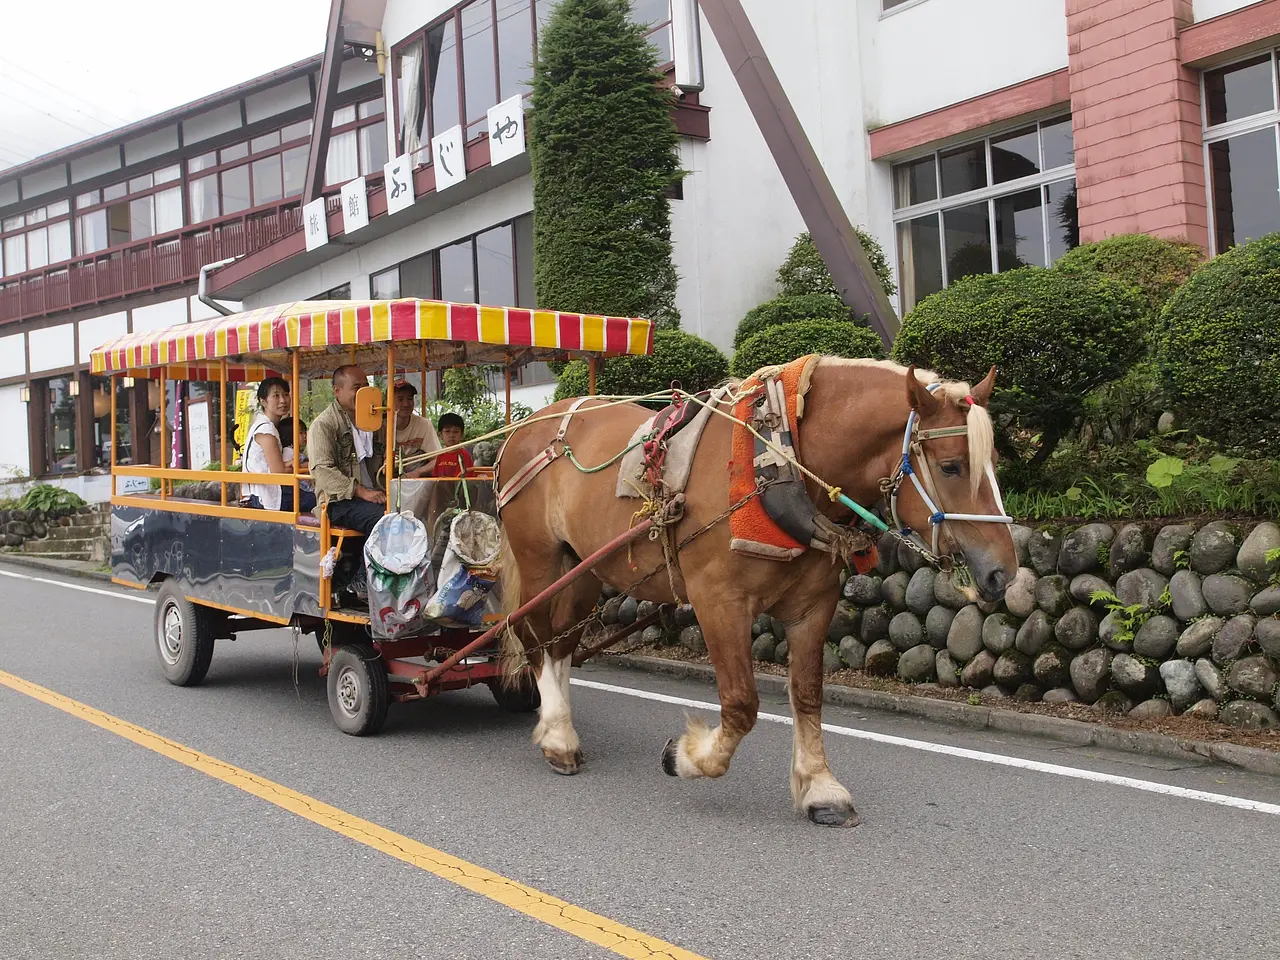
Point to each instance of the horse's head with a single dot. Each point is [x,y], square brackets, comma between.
[949,487]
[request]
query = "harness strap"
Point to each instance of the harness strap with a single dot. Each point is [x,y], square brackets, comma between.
[526,474]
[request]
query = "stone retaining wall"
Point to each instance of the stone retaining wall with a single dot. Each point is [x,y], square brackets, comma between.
[1145,619]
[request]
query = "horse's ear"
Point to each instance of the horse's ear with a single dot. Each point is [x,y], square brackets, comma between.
[982,392]
[921,400]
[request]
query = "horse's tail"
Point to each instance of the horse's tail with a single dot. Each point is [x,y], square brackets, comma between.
[512,656]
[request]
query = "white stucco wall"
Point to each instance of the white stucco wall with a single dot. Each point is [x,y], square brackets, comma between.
[98,330]
[14,452]
[13,356]
[402,17]
[1208,9]
[157,316]
[52,348]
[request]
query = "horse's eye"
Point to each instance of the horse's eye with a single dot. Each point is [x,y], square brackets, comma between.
[951,468]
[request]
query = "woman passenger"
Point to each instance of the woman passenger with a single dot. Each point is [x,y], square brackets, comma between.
[263,452]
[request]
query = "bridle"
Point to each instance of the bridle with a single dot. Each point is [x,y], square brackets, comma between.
[912,442]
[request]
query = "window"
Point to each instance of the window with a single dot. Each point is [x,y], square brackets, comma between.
[102,441]
[888,5]
[493,267]
[1241,161]
[36,239]
[357,145]
[1005,202]
[60,426]
[340,292]
[655,16]
[385,285]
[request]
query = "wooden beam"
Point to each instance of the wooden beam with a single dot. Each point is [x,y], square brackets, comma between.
[326,95]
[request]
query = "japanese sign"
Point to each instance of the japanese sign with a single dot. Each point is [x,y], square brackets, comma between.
[448,156]
[506,130]
[398,177]
[355,205]
[316,223]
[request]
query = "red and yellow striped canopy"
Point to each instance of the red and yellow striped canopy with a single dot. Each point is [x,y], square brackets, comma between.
[328,333]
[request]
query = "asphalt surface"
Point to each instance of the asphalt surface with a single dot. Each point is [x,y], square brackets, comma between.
[108,850]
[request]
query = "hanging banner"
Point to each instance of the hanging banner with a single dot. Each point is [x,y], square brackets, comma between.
[246,407]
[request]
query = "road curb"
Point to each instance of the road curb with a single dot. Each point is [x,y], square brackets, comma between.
[35,563]
[1075,732]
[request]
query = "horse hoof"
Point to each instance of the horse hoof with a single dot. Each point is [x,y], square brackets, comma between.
[565,769]
[669,759]
[834,816]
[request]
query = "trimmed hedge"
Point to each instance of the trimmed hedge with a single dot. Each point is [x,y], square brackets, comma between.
[1052,336]
[805,272]
[780,310]
[837,338]
[1154,266]
[677,356]
[605,155]
[1217,346]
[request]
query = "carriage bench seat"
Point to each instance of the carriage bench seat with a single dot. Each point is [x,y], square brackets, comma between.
[309,520]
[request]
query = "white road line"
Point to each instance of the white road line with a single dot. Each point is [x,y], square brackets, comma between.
[76,586]
[1240,803]
[1075,773]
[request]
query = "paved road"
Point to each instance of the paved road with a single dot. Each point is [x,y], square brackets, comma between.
[108,850]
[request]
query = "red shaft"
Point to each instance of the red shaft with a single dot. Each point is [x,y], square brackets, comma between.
[581,570]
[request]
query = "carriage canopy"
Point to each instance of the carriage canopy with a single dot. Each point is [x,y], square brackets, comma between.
[327,333]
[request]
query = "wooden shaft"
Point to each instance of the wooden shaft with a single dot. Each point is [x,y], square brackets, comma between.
[222,427]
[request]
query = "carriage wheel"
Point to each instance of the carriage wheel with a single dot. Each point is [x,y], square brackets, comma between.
[520,696]
[358,690]
[184,639]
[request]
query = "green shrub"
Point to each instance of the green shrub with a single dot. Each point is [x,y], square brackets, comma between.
[605,155]
[1154,266]
[677,357]
[975,258]
[1218,347]
[47,498]
[837,338]
[804,271]
[1052,336]
[780,310]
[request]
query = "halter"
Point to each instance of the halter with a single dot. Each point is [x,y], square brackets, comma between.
[912,440]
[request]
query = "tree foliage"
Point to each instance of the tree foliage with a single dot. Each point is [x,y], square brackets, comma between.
[677,357]
[837,338]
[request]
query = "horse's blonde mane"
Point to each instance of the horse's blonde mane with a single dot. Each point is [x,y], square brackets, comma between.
[981,433]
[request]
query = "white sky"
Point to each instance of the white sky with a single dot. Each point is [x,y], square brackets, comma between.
[72,69]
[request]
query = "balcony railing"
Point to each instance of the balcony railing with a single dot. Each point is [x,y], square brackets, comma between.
[168,260]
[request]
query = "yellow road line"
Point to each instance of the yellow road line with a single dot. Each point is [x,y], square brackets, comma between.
[554,912]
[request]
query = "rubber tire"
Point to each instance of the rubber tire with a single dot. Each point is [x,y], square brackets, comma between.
[188,665]
[365,669]
[521,696]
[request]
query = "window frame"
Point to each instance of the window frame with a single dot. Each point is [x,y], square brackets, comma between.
[29,227]
[1234,128]
[988,195]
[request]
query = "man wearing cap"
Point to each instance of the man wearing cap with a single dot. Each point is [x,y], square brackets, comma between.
[414,434]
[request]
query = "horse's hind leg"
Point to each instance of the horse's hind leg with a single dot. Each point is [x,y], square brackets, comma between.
[704,751]
[814,788]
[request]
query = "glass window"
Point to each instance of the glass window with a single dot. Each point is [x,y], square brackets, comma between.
[37,215]
[15,255]
[59,209]
[91,231]
[1062,217]
[141,219]
[168,209]
[13,223]
[477,63]
[409,91]
[967,235]
[515,48]
[168,174]
[963,169]
[543,12]
[371,108]
[1243,184]
[1240,90]
[203,162]
[915,182]
[524,262]
[237,151]
[37,248]
[102,422]
[204,199]
[1015,155]
[138,184]
[296,131]
[442,74]
[418,277]
[295,170]
[265,142]
[373,148]
[385,285]
[344,115]
[343,162]
[114,192]
[60,426]
[495,267]
[890,4]
[919,259]
[235,189]
[88,199]
[650,12]
[268,187]
[457,273]
[1058,143]
[59,241]
[1020,230]
[661,41]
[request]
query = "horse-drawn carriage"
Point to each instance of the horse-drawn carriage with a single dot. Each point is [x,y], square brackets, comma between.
[738,501]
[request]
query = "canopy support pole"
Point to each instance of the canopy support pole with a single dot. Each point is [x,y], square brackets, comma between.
[222,424]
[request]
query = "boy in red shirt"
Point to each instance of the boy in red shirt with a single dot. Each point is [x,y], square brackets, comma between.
[456,464]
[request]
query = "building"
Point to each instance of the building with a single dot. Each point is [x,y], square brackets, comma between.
[965,135]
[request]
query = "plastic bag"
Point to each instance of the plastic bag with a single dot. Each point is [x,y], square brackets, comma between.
[468,572]
[399,575]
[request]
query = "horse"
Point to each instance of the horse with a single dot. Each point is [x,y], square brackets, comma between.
[851,435]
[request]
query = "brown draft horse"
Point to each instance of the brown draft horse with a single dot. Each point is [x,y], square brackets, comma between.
[851,435]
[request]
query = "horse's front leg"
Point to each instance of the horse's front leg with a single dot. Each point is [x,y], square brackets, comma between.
[814,788]
[705,751]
